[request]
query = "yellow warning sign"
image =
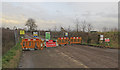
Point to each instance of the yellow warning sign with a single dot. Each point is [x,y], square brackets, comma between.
[22,32]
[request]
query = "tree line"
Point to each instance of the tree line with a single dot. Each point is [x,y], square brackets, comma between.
[81,26]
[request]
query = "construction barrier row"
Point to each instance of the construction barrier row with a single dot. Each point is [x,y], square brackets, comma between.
[32,44]
[75,40]
[63,40]
[66,40]
[39,44]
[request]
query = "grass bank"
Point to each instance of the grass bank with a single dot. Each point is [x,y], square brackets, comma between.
[113,38]
[11,58]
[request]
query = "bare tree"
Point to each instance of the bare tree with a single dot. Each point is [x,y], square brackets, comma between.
[31,24]
[14,28]
[77,24]
[55,28]
[63,31]
[84,26]
[69,28]
[104,29]
[114,29]
[89,27]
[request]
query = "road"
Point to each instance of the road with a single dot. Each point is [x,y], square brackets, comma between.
[76,56]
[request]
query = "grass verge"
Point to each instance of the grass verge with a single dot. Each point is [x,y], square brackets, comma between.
[11,58]
[100,45]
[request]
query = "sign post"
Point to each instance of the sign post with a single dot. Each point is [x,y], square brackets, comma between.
[22,32]
[47,35]
[50,43]
[107,42]
[66,34]
[101,39]
[35,34]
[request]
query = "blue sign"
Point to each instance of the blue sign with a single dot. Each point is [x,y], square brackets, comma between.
[35,36]
[66,34]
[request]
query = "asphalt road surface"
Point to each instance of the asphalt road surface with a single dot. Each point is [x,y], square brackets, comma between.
[76,56]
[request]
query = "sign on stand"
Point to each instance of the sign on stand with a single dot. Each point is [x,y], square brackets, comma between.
[50,43]
[66,34]
[47,35]
[107,40]
[35,34]
[101,37]
[22,32]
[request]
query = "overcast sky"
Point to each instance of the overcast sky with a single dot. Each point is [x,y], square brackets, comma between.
[50,14]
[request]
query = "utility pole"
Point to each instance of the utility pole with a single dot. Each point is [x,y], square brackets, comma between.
[15,34]
[77,24]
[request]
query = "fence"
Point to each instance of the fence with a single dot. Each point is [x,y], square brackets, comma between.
[8,39]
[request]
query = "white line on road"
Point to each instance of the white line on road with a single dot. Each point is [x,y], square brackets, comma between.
[75,61]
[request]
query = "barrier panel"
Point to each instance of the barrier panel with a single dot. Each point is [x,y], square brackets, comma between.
[50,43]
[32,44]
[63,40]
[75,40]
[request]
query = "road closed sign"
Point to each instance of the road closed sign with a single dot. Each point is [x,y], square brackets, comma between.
[50,43]
[107,40]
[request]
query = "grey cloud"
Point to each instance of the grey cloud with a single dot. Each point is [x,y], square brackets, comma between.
[109,15]
[62,13]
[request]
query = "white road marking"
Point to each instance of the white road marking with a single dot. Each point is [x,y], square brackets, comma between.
[75,61]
